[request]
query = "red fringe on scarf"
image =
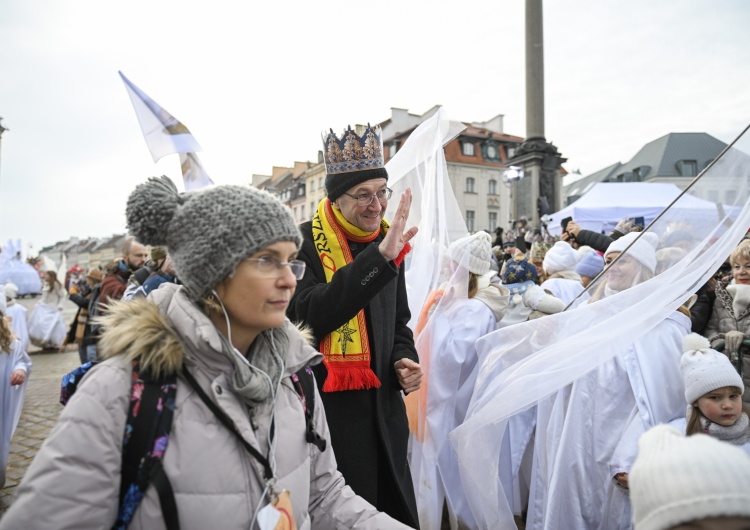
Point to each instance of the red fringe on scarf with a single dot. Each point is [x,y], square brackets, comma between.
[349,376]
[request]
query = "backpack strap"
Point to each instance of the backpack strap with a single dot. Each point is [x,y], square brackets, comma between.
[304,383]
[152,404]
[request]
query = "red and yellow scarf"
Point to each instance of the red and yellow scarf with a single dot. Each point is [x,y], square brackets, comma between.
[346,350]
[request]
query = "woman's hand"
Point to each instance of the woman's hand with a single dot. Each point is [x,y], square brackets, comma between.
[394,241]
[573,228]
[17,377]
[733,340]
[622,480]
[409,374]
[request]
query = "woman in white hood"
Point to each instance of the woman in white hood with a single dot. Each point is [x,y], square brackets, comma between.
[611,406]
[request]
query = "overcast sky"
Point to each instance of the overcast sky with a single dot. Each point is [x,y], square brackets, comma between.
[257,82]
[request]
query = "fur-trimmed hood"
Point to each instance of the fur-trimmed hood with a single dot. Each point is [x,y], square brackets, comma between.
[161,327]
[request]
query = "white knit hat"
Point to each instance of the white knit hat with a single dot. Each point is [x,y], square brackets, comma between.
[561,257]
[11,290]
[677,479]
[479,247]
[643,250]
[704,369]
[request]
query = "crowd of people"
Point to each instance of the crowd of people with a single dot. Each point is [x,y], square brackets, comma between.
[285,384]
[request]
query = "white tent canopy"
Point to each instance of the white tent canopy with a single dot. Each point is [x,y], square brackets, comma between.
[606,203]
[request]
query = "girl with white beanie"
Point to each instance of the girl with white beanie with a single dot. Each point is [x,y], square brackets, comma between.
[695,482]
[713,390]
[467,307]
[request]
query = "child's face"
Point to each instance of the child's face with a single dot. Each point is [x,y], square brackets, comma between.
[722,406]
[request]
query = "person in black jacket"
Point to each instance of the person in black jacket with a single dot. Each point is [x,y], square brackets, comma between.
[353,299]
[85,337]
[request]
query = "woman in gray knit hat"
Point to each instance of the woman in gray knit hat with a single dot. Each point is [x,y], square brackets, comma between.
[238,453]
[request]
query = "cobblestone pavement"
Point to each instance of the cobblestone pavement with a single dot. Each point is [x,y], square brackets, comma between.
[41,407]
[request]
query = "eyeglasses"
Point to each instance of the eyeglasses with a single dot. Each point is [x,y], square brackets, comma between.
[365,199]
[271,267]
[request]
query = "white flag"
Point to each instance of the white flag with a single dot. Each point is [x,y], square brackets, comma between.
[164,134]
[193,174]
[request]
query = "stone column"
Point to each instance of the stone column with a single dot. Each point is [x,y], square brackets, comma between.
[534,70]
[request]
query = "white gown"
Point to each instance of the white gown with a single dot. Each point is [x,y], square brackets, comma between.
[607,411]
[452,374]
[19,323]
[11,398]
[46,326]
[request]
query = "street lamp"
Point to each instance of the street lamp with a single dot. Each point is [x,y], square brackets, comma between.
[510,177]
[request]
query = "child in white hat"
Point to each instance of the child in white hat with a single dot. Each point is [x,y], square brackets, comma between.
[713,390]
[694,482]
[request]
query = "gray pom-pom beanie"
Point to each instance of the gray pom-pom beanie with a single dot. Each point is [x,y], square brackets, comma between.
[208,232]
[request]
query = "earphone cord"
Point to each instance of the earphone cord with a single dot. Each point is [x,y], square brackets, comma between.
[274,392]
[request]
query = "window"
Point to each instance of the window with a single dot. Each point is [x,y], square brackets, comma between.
[312,207]
[493,221]
[729,196]
[687,168]
[492,190]
[470,185]
[312,185]
[302,211]
[511,152]
[320,183]
[393,150]
[490,151]
[713,195]
[470,220]
[468,149]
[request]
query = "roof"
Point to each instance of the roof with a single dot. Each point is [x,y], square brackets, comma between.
[658,158]
[662,154]
[582,185]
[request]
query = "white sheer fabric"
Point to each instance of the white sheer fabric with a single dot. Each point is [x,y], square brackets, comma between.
[524,364]
[445,322]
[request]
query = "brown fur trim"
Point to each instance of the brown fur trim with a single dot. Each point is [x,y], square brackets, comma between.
[137,328]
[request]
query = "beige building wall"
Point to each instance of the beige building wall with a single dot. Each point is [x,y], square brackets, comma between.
[481,203]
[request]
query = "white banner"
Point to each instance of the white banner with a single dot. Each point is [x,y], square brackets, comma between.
[164,134]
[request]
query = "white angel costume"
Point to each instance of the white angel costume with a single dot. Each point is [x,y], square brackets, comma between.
[618,356]
[46,326]
[11,397]
[19,316]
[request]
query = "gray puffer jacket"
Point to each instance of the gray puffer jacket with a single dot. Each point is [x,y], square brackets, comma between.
[732,312]
[75,478]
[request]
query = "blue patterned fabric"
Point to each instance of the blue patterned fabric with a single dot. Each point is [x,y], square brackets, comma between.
[518,271]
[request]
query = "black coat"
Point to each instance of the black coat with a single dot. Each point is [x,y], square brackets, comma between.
[369,428]
[594,240]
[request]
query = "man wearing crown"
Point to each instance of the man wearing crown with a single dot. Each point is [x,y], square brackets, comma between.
[353,298]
